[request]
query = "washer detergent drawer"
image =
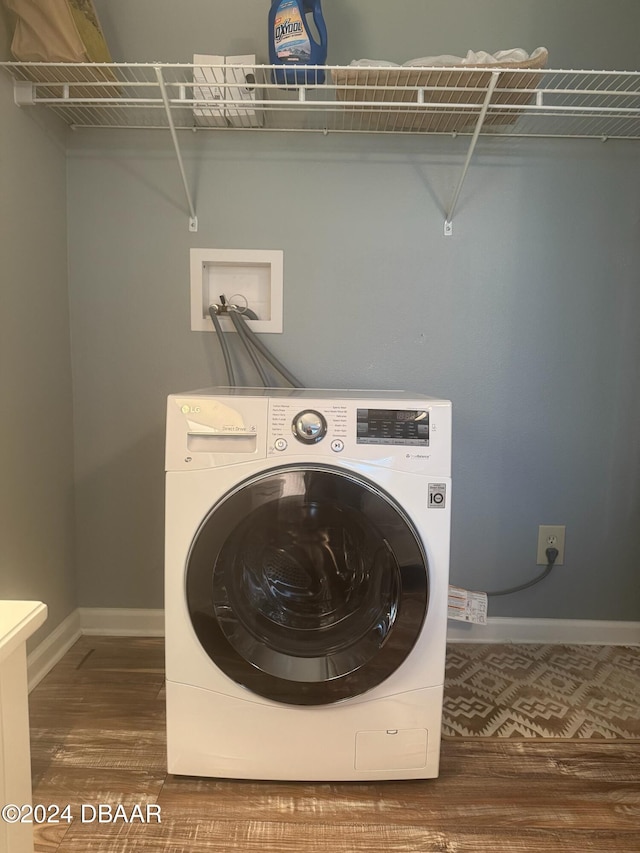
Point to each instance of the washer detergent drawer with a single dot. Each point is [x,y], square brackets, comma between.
[203,442]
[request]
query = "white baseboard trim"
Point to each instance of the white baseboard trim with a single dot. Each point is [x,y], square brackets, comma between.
[53,648]
[121,622]
[500,629]
[132,622]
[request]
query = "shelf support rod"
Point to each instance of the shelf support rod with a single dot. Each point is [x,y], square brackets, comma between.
[448,224]
[193,219]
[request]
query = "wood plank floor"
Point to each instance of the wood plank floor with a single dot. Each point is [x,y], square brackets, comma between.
[98,737]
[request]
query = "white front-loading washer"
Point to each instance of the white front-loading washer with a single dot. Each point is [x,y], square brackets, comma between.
[306,583]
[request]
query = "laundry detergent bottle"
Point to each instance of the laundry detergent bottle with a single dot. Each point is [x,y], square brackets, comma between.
[292,42]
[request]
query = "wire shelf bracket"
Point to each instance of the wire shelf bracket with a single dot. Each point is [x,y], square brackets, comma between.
[193,219]
[448,222]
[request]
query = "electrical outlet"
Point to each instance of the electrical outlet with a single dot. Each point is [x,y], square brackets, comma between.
[550,536]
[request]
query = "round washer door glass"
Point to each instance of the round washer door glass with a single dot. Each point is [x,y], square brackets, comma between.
[307,585]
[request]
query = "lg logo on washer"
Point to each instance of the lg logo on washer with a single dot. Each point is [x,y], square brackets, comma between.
[215,417]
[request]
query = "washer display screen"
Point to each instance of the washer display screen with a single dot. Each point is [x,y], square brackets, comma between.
[393,426]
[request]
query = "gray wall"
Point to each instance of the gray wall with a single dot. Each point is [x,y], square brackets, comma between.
[527,318]
[37,558]
[578,33]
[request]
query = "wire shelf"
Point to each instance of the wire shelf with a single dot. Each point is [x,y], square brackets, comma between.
[466,101]
[444,100]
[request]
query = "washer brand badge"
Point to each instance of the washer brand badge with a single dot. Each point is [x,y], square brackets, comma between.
[190,410]
[437,495]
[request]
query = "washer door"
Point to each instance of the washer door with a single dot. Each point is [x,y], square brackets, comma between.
[307,585]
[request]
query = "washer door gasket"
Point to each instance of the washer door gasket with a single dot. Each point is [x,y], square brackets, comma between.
[307,585]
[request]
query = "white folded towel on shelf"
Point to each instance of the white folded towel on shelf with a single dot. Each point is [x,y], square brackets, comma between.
[481,57]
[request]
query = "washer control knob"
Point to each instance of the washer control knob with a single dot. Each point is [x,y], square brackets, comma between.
[309,426]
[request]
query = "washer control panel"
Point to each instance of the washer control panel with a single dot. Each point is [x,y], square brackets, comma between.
[217,427]
[394,435]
